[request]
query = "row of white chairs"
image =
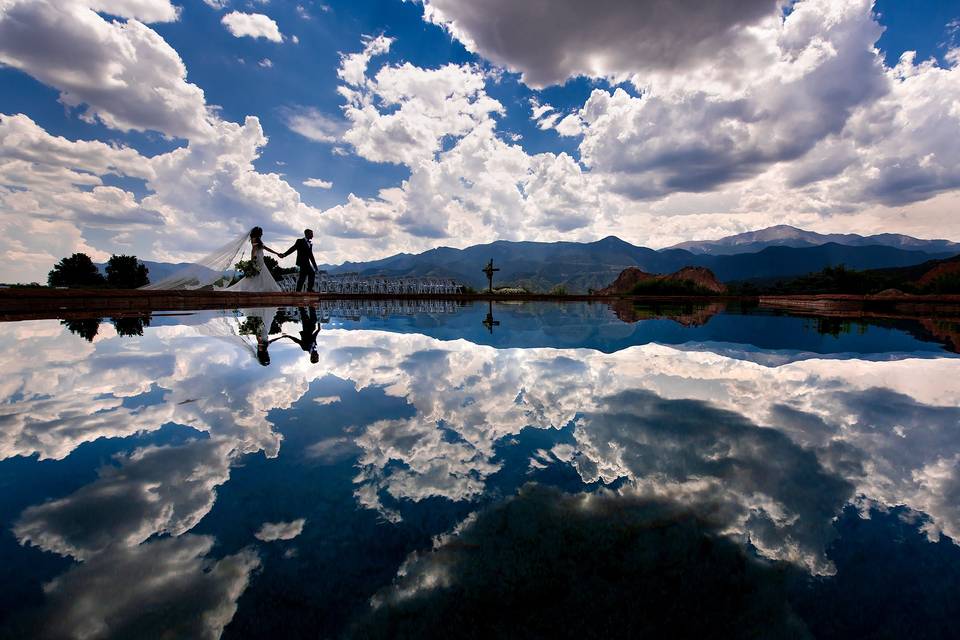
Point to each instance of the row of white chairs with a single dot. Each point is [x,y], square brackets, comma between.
[354,284]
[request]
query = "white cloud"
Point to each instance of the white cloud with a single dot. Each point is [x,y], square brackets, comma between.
[143,10]
[311,123]
[266,63]
[403,113]
[353,66]
[170,574]
[121,73]
[538,110]
[51,188]
[57,184]
[318,183]
[23,140]
[466,184]
[253,25]
[820,67]
[217,4]
[153,490]
[271,531]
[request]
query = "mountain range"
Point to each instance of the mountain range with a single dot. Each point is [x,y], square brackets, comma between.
[579,267]
[783,235]
[777,252]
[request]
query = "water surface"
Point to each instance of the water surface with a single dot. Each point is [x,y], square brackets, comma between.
[516,470]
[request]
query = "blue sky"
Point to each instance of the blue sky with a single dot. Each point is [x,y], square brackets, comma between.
[657,126]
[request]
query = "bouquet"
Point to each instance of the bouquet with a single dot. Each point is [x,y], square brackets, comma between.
[251,326]
[248,268]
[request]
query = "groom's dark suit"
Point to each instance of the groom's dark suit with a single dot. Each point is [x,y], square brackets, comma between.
[305,260]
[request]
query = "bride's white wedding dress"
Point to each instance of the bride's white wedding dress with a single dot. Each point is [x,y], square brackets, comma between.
[211,270]
[260,283]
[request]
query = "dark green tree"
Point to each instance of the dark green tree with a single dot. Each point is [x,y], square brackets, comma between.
[130,326]
[275,269]
[76,271]
[126,272]
[85,328]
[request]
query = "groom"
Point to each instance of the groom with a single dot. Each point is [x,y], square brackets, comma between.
[305,260]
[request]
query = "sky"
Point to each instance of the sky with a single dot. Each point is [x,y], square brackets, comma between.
[167,128]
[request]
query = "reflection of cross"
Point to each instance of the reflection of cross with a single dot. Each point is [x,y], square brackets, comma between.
[489,269]
[489,322]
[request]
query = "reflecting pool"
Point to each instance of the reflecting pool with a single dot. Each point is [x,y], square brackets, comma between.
[513,470]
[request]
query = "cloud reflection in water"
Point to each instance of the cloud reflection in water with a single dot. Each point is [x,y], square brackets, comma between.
[766,455]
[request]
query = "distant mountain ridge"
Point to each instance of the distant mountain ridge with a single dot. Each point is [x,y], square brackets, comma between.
[787,236]
[539,266]
[582,266]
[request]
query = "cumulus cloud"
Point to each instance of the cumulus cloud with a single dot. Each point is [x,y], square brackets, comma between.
[252,25]
[796,108]
[819,66]
[271,531]
[548,44]
[153,490]
[50,180]
[318,183]
[353,66]
[198,595]
[402,113]
[121,73]
[129,78]
[55,157]
[469,192]
[807,123]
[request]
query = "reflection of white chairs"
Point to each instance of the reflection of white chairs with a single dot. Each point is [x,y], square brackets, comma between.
[357,308]
[352,283]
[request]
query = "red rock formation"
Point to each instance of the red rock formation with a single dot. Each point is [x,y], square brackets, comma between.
[700,276]
[632,276]
[947,268]
[626,281]
[686,314]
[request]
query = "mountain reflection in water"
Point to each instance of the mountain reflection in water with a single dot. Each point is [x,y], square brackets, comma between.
[572,470]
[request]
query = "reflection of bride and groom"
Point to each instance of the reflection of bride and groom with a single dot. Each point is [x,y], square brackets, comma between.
[260,328]
[210,272]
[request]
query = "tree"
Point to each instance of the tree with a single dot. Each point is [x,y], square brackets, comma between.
[275,269]
[126,272]
[130,326]
[76,271]
[86,328]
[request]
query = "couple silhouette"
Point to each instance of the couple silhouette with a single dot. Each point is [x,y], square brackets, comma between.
[309,330]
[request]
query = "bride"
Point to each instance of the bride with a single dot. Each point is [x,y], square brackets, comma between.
[210,271]
[262,281]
